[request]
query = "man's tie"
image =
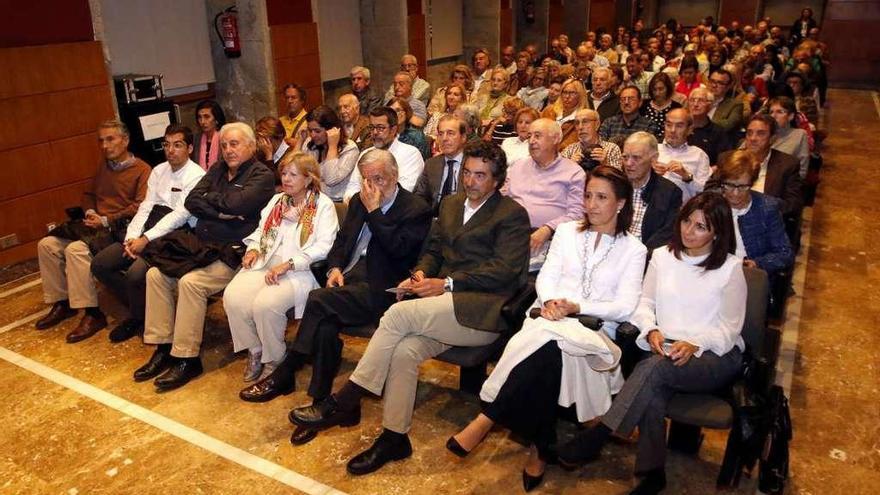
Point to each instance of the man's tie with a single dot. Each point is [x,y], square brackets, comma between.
[446,190]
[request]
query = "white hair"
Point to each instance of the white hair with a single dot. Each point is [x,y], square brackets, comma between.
[241,127]
[374,155]
[362,70]
[645,139]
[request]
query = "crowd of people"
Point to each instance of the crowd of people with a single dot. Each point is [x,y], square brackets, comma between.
[631,178]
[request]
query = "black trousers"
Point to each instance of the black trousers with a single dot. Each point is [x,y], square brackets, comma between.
[527,402]
[328,310]
[125,277]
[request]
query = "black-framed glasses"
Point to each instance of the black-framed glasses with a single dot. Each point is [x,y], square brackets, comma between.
[730,187]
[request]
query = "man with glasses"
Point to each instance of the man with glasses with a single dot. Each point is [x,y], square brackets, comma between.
[727,110]
[706,135]
[655,200]
[421,90]
[619,127]
[383,132]
[120,266]
[685,165]
[591,150]
[377,244]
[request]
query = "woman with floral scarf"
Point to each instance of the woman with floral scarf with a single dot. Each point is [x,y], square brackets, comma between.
[296,228]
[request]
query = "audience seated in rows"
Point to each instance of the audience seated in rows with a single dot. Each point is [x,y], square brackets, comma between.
[591,150]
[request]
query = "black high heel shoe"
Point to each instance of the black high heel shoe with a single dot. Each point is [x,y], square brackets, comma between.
[531,482]
[453,446]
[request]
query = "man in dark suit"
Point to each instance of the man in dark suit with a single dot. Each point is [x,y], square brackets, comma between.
[380,239]
[779,173]
[476,258]
[655,200]
[601,98]
[441,176]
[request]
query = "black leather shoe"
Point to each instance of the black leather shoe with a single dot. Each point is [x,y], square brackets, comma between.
[324,414]
[60,311]
[267,389]
[453,446]
[302,435]
[126,330]
[159,362]
[531,482]
[652,483]
[181,372]
[388,447]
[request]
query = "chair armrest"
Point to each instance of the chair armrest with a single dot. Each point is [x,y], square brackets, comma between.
[515,308]
[319,270]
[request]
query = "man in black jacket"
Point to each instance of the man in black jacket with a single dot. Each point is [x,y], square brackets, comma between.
[378,243]
[227,203]
[655,200]
[442,173]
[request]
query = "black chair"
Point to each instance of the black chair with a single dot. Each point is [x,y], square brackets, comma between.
[691,412]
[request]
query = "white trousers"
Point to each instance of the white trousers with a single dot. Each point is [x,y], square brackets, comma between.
[65,267]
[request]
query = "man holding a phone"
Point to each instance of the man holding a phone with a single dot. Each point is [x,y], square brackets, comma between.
[119,186]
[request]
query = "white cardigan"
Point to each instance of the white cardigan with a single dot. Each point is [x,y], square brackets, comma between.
[687,302]
[590,374]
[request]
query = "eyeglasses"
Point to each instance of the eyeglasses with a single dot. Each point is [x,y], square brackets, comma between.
[730,187]
[698,100]
[378,128]
[178,145]
[716,82]
[569,93]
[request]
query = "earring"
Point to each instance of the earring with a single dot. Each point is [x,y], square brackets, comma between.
[618,211]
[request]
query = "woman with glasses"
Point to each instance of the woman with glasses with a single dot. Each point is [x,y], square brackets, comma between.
[572,97]
[689,317]
[594,267]
[761,240]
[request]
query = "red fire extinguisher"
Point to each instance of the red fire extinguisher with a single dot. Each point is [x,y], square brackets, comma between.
[228,32]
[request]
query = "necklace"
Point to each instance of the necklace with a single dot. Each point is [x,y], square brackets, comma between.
[587,275]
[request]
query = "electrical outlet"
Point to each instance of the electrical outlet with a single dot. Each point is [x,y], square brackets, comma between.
[8,241]
[50,226]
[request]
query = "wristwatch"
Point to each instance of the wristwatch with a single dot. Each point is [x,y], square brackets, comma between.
[447,284]
[291,264]
[689,178]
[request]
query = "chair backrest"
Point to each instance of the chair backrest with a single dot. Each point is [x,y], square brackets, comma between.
[341,210]
[755,324]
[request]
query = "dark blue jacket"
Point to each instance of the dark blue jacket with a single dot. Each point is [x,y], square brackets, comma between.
[763,234]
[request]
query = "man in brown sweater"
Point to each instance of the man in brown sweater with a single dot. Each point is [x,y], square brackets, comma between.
[119,186]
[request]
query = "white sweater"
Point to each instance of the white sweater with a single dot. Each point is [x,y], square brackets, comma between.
[687,302]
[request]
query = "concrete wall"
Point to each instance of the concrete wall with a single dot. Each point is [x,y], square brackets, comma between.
[575,21]
[384,39]
[480,28]
[245,85]
[532,33]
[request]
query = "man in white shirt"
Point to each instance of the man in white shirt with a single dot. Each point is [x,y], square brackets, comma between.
[403,88]
[119,266]
[685,165]
[383,131]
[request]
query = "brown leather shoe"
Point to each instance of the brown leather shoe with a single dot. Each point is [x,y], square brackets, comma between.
[88,326]
[60,311]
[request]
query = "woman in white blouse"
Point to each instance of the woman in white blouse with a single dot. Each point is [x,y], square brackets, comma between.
[517,147]
[690,317]
[296,228]
[594,267]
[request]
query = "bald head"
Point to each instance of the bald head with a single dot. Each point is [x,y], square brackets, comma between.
[410,64]
[678,126]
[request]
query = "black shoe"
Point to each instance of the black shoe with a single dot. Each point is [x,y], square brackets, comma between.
[388,447]
[302,435]
[324,414]
[531,482]
[267,389]
[652,483]
[60,311]
[453,446]
[585,447]
[181,372]
[126,330]
[159,362]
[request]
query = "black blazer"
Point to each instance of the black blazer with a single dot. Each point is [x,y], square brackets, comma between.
[664,200]
[487,258]
[430,182]
[397,238]
[608,108]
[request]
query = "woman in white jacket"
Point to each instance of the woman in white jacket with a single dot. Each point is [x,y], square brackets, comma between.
[296,228]
[594,267]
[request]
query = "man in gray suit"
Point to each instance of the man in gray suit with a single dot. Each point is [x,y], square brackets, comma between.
[476,259]
[442,174]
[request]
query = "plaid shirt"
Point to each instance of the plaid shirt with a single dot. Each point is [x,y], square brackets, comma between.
[616,130]
[639,209]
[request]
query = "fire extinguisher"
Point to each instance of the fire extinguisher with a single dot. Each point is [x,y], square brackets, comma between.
[228,32]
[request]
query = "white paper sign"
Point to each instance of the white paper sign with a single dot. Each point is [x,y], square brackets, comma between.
[153,126]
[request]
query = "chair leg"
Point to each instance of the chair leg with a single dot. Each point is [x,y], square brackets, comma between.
[684,438]
[471,379]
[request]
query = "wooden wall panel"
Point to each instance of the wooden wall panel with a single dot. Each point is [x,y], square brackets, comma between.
[15,176]
[27,216]
[744,11]
[554,20]
[505,34]
[71,65]
[296,57]
[855,62]
[84,109]
[291,40]
[289,12]
[602,13]
[43,22]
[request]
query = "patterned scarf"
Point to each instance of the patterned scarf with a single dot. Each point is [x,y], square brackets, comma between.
[303,214]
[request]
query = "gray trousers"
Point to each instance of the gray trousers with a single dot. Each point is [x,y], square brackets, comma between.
[410,333]
[642,401]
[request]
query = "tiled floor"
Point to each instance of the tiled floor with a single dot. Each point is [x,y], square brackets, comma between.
[57,438]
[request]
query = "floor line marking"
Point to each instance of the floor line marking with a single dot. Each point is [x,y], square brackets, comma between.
[27,319]
[19,279]
[791,327]
[21,287]
[876,98]
[183,432]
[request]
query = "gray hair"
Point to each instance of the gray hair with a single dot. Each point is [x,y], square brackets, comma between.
[374,155]
[551,125]
[608,72]
[358,69]
[114,124]
[704,92]
[241,127]
[645,139]
[471,116]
